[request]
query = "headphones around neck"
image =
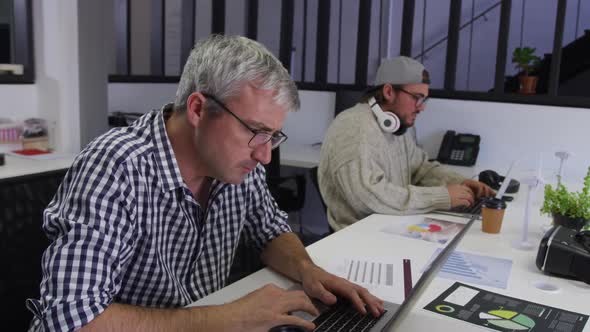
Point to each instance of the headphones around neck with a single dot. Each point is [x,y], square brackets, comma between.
[388,121]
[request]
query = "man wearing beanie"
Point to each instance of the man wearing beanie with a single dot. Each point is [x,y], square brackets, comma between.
[370,165]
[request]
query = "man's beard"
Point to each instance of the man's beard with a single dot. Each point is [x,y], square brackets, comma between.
[402,128]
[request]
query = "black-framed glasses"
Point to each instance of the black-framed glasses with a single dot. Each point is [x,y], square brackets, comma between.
[259,137]
[420,99]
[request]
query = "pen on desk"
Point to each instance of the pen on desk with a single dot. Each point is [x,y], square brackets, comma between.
[407,277]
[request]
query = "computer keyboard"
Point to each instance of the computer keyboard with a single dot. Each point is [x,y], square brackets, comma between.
[474,208]
[344,317]
[466,211]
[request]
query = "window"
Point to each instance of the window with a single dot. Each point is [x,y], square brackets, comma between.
[467,45]
[16,42]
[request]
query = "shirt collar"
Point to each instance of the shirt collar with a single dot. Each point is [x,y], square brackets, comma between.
[168,170]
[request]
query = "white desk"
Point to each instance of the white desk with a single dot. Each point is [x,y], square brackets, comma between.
[17,166]
[369,241]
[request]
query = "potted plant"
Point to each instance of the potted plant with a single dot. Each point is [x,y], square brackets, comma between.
[569,209]
[526,61]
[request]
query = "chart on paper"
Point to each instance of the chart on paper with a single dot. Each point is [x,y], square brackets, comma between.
[476,269]
[368,272]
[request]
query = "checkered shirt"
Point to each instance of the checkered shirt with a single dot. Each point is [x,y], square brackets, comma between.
[125,228]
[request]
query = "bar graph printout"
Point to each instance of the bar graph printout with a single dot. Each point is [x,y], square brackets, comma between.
[367,272]
[476,269]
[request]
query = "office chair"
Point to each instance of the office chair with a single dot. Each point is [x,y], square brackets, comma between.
[22,241]
[313,174]
[122,119]
[288,191]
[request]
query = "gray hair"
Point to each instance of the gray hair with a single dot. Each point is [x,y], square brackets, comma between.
[222,65]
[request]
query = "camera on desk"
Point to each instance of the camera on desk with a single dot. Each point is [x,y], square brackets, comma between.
[565,252]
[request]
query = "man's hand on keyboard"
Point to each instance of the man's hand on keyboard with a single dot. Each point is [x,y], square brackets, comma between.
[461,195]
[270,306]
[480,189]
[325,287]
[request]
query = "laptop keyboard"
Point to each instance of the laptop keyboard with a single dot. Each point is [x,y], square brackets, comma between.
[344,317]
[474,208]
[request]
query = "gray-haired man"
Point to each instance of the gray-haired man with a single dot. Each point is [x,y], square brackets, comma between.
[368,165]
[148,218]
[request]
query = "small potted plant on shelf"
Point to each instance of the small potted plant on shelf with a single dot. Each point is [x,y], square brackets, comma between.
[569,209]
[526,61]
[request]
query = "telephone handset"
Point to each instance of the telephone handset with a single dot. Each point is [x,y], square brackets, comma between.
[459,149]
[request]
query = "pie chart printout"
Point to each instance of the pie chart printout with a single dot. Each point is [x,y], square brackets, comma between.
[510,320]
[503,313]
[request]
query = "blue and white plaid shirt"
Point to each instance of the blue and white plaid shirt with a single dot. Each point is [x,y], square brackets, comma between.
[126,229]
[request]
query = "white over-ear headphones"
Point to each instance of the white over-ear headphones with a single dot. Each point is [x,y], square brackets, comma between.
[388,121]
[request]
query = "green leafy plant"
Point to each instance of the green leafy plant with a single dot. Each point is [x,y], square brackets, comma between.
[559,200]
[525,59]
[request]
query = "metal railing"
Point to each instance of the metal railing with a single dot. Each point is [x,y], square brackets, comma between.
[444,39]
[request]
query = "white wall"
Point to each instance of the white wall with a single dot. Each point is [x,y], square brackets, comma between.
[56,58]
[56,94]
[53,95]
[511,131]
[18,102]
[308,124]
[139,97]
[508,131]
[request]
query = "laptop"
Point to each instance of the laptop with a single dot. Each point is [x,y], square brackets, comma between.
[474,210]
[344,317]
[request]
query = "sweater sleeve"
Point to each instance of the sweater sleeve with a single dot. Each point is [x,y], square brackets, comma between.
[366,188]
[429,173]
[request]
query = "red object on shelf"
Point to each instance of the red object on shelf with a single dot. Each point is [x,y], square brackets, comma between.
[30,152]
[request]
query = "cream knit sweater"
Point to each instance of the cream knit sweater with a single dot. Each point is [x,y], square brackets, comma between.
[364,170]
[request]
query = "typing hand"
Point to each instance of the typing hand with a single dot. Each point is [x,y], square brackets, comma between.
[325,287]
[480,189]
[461,195]
[269,306]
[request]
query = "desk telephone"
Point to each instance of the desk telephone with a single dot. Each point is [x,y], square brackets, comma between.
[459,149]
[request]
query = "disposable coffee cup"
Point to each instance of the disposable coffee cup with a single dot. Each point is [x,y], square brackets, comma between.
[492,214]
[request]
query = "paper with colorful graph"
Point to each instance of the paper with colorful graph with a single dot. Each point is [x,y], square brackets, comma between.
[503,313]
[428,229]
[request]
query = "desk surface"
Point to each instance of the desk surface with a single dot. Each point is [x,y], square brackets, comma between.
[372,243]
[19,166]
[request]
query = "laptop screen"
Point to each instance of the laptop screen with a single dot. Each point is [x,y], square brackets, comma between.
[429,274]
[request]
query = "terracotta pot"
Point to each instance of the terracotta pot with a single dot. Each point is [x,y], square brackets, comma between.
[569,222]
[528,84]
